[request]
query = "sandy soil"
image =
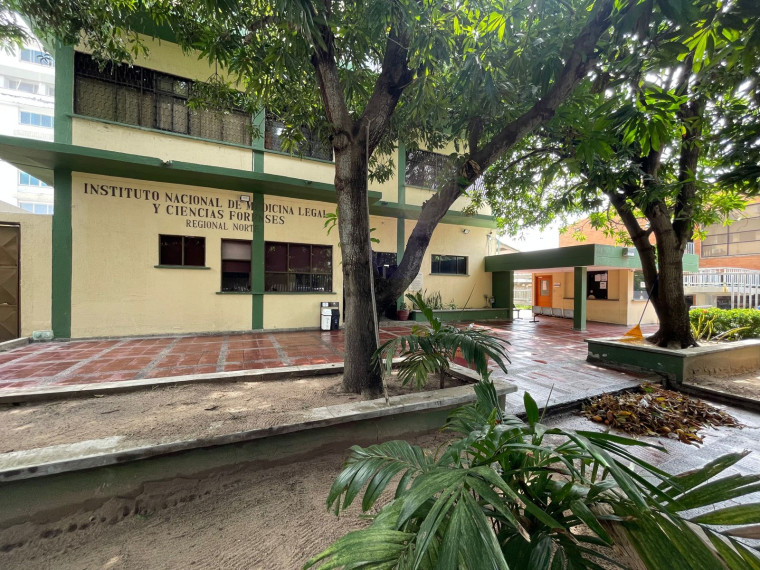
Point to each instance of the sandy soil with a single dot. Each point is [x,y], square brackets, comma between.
[746,384]
[274,518]
[172,413]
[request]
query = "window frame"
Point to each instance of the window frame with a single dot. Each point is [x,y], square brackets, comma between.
[183,249]
[598,292]
[722,238]
[39,116]
[311,147]
[30,184]
[457,260]
[292,285]
[430,169]
[222,288]
[147,99]
[37,57]
[643,294]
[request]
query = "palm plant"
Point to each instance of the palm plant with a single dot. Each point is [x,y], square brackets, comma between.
[430,348]
[515,494]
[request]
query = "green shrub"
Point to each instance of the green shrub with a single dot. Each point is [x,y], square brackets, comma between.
[712,323]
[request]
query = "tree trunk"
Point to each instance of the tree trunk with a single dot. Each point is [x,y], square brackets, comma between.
[668,295]
[353,226]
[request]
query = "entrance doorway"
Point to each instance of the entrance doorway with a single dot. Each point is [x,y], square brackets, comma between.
[9,282]
[543,289]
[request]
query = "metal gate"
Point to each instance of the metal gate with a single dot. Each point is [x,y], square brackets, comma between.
[9,282]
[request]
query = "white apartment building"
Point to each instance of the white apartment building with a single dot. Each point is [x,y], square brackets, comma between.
[27,92]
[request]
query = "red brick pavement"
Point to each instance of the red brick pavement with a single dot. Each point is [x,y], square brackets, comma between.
[549,341]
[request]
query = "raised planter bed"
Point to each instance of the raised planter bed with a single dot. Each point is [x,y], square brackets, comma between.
[676,366]
[461,315]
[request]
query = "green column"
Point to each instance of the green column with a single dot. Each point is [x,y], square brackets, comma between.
[401,173]
[579,299]
[61,253]
[503,290]
[64,93]
[257,263]
[400,246]
[257,142]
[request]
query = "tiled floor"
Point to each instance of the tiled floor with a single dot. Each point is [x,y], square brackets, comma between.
[545,354]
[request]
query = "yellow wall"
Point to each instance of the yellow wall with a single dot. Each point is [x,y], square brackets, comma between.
[471,290]
[35,264]
[166,146]
[296,167]
[116,290]
[618,308]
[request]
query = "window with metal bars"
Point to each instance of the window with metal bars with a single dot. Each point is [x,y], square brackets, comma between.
[448,265]
[311,147]
[427,169]
[181,251]
[297,267]
[145,98]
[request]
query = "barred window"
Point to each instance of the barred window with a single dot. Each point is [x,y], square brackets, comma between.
[312,146]
[146,98]
[236,265]
[427,169]
[297,267]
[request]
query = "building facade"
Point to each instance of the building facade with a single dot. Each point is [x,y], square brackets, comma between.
[172,220]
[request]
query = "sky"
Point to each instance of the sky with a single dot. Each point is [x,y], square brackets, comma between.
[534,239]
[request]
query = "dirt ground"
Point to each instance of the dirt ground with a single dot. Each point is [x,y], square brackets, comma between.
[746,384]
[274,518]
[174,413]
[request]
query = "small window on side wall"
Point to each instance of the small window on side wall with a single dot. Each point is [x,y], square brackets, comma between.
[236,265]
[448,265]
[182,251]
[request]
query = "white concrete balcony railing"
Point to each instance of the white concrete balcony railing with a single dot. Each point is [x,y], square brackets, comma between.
[741,285]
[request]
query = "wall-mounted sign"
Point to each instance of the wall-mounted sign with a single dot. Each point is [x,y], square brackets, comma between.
[416,285]
[206,212]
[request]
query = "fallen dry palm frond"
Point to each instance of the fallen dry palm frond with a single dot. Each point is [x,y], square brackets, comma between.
[657,412]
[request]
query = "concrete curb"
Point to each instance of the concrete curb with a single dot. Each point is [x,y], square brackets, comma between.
[720,397]
[14,343]
[27,464]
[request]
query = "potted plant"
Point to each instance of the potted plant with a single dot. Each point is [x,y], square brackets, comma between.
[402,313]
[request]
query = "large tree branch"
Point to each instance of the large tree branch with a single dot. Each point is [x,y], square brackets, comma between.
[394,77]
[581,59]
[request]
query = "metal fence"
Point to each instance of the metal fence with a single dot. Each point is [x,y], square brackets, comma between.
[740,286]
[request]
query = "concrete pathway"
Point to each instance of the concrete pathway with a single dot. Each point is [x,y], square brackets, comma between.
[547,355]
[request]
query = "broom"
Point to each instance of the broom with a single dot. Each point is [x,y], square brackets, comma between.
[635,333]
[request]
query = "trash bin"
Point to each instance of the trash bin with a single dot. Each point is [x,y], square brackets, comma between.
[329,316]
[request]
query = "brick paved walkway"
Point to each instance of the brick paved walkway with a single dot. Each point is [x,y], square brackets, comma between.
[544,354]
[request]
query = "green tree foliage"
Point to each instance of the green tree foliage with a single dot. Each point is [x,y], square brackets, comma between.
[509,494]
[430,348]
[480,74]
[666,136]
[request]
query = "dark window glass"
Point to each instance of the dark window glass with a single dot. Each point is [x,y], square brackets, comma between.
[449,264]
[312,146]
[146,98]
[742,237]
[639,287]
[297,267]
[597,283]
[385,263]
[236,265]
[427,169]
[181,250]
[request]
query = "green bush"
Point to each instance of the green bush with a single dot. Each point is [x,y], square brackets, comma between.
[712,323]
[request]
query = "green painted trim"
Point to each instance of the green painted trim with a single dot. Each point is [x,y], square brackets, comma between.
[503,289]
[391,210]
[401,173]
[579,298]
[29,153]
[459,315]
[259,124]
[64,93]
[257,263]
[300,293]
[181,267]
[62,255]
[589,255]
[159,131]
[672,366]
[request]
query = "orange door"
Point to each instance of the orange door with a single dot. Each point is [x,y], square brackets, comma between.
[543,290]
